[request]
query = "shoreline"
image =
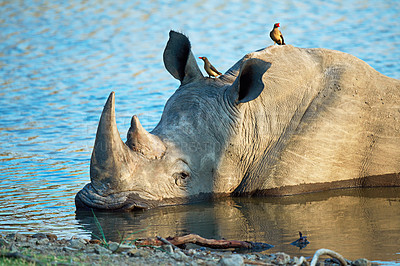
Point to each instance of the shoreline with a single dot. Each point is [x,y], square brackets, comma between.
[47,249]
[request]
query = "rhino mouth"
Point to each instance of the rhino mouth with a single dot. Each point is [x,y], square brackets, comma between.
[89,198]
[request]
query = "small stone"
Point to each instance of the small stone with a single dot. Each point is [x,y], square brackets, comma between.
[68,249]
[113,246]
[42,241]
[51,237]
[32,240]
[95,241]
[251,257]
[281,258]
[10,237]
[139,253]
[168,248]
[124,247]
[101,251]
[39,236]
[232,260]
[20,237]
[192,252]
[89,249]
[13,248]
[361,262]
[199,262]
[3,242]
[179,255]
[77,243]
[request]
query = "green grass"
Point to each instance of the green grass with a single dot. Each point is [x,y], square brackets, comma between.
[98,225]
[123,239]
[31,257]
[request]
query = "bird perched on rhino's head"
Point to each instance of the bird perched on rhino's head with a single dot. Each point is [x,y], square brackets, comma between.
[276,35]
[210,69]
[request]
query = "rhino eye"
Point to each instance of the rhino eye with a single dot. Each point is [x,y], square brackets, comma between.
[181,178]
[184,175]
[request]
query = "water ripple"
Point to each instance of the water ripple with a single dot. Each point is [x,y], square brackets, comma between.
[59,61]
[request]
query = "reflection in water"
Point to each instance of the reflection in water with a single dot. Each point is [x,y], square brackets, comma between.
[356,223]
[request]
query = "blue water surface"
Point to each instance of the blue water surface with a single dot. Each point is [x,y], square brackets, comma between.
[59,60]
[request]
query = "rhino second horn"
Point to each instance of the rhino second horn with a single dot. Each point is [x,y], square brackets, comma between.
[110,155]
[139,140]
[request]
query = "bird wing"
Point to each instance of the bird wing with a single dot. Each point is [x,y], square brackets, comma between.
[214,69]
[283,41]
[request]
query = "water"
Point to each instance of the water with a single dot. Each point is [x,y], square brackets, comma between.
[59,62]
[356,223]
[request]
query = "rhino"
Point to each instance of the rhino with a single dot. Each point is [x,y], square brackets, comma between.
[283,120]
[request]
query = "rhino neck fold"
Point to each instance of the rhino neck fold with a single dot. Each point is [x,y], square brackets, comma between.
[112,161]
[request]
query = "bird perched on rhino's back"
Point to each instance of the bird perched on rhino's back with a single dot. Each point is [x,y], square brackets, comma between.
[276,35]
[210,69]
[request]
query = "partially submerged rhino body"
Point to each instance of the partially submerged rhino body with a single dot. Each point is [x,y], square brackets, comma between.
[282,120]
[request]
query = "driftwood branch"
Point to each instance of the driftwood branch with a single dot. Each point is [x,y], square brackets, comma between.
[166,242]
[324,251]
[225,244]
[204,242]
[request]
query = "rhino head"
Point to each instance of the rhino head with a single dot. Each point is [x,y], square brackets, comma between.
[184,157]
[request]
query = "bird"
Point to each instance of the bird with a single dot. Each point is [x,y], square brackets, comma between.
[210,69]
[301,242]
[276,35]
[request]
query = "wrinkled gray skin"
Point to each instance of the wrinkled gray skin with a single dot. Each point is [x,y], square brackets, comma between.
[282,120]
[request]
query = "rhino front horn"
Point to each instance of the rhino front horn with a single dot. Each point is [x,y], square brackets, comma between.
[139,140]
[110,157]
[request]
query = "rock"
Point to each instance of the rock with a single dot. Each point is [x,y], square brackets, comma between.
[39,236]
[101,251]
[139,253]
[10,237]
[32,240]
[113,246]
[179,255]
[42,241]
[13,248]
[191,252]
[3,242]
[281,258]
[51,237]
[89,249]
[69,249]
[124,247]
[77,243]
[20,237]
[94,241]
[232,260]
[168,248]
[361,262]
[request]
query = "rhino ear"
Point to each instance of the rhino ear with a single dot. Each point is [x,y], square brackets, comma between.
[249,84]
[179,60]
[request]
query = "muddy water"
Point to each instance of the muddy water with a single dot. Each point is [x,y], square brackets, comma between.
[59,62]
[356,223]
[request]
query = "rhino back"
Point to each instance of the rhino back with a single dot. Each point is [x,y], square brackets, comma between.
[323,117]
